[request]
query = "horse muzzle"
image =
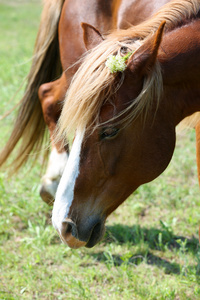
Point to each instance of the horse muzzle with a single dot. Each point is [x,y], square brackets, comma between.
[48,190]
[87,233]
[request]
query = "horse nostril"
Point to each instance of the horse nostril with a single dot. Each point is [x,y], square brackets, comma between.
[69,227]
[69,234]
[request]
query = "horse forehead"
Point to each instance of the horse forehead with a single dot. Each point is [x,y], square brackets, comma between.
[122,98]
[107,111]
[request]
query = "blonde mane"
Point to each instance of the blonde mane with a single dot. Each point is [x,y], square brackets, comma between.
[93,83]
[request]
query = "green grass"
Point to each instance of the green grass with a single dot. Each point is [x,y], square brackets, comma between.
[150,250]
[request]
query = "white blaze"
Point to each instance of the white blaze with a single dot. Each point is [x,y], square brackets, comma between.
[55,169]
[65,191]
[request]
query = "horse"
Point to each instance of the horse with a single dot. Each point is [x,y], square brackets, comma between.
[60,43]
[131,91]
[57,50]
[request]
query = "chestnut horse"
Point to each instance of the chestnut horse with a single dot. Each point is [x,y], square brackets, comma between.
[125,120]
[59,46]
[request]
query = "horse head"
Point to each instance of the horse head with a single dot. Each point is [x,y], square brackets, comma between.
[127,138]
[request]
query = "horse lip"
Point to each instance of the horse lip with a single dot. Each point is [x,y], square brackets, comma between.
[96,235]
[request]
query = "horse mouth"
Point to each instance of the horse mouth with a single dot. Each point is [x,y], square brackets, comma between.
[86,234]
[96,235]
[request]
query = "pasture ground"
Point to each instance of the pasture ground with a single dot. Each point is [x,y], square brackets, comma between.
[150,250]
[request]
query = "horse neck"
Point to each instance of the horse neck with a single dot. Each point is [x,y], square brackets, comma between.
[105,15]
[128,12]
[179,56]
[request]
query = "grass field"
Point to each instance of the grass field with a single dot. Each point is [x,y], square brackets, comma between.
[150,250]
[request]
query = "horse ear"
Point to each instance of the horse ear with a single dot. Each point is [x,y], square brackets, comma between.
[91,36]
[143,59]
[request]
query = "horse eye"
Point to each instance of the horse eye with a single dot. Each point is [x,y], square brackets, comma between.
[108,133]
[123,50]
